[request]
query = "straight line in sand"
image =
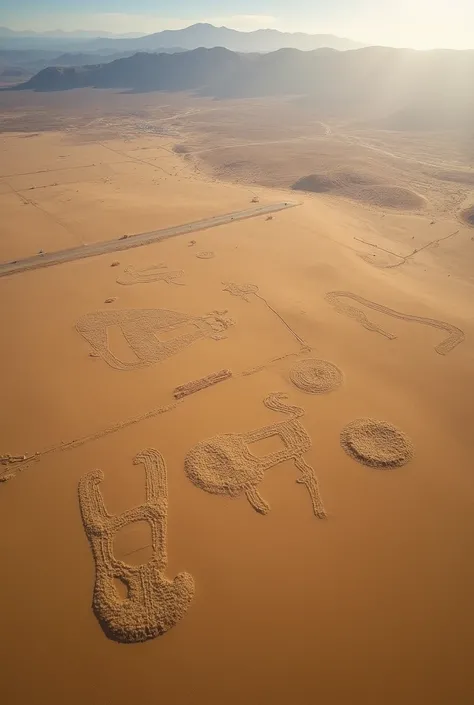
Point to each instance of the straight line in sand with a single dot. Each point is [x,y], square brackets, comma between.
[404,258]
[15,464]
[139,240]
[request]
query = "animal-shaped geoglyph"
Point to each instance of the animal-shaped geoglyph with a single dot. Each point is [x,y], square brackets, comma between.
[154,604]
[141,329]
[225,464]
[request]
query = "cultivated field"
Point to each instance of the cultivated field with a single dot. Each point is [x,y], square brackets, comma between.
[277,411]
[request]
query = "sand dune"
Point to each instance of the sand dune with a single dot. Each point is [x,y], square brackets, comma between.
[353,185]
[468,215]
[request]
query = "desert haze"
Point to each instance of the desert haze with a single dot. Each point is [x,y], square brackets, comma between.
[236,450]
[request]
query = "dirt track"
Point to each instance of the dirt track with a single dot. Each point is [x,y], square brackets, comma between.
[128,242]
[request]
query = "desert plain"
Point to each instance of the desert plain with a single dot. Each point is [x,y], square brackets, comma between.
[370,269]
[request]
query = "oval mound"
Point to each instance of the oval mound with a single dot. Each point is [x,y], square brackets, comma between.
[316,183]
[377,444]
[316,376]
[391,197]
[356,178]
[468,216]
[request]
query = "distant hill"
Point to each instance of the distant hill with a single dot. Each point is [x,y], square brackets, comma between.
[59,33]
[82,58]
[12,75]
[397,88]
[58,40]
[25,63]
[261,40]
[198,35]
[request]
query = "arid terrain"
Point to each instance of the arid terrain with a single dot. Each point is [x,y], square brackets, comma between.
[281,406]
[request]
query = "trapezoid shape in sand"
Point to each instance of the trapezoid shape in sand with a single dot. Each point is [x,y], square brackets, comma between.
[206,254]
[141,328]
[147,275]
[225,465]
[151,604]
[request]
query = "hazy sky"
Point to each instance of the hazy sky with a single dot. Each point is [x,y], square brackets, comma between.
[416,23]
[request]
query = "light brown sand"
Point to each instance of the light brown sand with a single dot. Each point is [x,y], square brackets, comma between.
[373,604]
[58,193]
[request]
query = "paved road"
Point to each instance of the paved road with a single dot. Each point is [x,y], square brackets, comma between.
[49,259]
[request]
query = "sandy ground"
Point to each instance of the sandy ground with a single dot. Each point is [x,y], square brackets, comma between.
[58,193]
[372,604]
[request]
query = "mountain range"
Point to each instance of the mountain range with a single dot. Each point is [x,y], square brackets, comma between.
[5,32]
[193,37]
[402,88]
[26,62]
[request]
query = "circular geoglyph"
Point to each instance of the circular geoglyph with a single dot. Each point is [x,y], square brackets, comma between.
[316,376]
[377,444]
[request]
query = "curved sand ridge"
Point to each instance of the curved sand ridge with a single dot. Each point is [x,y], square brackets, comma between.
[154,604]
[377,444]
[225,464]
[316,376]
[456,335]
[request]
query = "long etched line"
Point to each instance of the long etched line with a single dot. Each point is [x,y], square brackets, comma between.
[11,470]
[287,326]
[16,464]
[405,258]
